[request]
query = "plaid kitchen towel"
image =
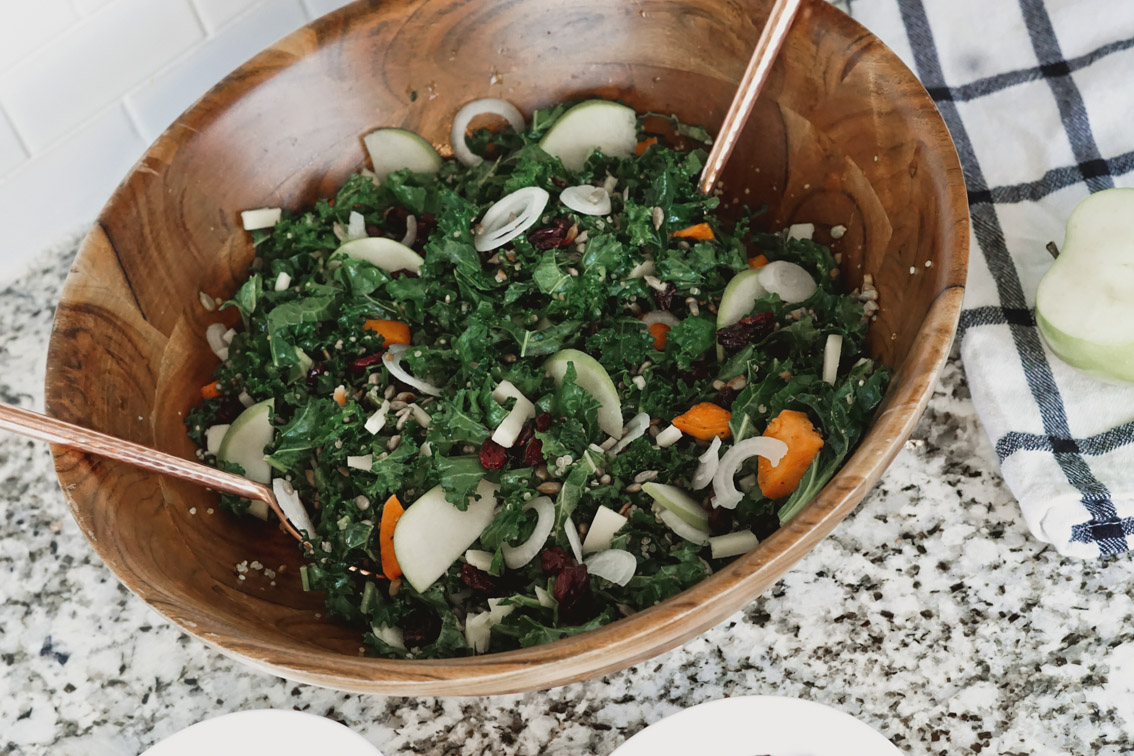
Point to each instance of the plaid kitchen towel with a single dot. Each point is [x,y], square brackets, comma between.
[1038,96]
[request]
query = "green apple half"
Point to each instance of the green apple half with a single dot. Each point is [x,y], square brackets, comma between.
[1085,302]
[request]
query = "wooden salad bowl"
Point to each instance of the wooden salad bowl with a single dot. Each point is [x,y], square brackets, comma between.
[843,135]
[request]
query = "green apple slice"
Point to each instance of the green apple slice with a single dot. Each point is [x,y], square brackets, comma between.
[739,297]
[1085,302]
[589,126]
[383,253]
[593,378]
[679,503]
[432,534]
[394,149]
[245,440]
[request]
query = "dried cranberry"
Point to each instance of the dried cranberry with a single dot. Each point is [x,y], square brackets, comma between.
[228,408]
[696,372]
[559,182]
[725,397]
[426,222]
[543,421]
[720,520]
[554,560]
[402,273]
[551,236]
[664,298]
[477,579]
[525,436]
[746,330]
[373,230]
[362,363]
[314,372]
[533,453]
[421,628]
[493,456]
[572,585]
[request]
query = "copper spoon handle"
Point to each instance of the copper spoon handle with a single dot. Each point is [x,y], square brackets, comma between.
[759,65]
[43,428]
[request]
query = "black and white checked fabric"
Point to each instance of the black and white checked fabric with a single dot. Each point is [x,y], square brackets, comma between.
[1039,98]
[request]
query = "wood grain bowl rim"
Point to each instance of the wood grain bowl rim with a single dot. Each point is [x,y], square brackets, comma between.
[672,622]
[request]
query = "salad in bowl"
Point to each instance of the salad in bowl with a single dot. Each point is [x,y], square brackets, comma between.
[530,390]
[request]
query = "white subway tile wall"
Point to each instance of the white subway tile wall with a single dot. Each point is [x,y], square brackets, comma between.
[85,85]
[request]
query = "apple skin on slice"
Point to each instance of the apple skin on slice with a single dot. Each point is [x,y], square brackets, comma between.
[1085,302]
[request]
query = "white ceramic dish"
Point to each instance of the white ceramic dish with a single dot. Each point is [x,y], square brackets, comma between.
[264,731]
[757,725]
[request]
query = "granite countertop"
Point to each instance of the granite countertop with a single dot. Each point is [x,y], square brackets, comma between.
[930,613]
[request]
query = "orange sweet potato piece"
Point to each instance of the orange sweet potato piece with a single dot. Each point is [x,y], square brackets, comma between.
[660,332]
[759,261]
[392,331]
[392,511]
[803,442]
[704,421]
[700,232]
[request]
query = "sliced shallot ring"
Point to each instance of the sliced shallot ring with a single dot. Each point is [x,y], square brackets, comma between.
[511,216]
[708,467]
[724,487]
[615,565]
[635,429]
[586,199]
[517,556]
[682,528]
[393,362]
[214,334]
[411,231]
[468,112]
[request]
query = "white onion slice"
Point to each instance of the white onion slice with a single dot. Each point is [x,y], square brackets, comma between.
[615,565]
[831,354]
[634,430]
[482,560]
[517,556]
[246,399]
[377,421]
[708,467]
[360,462]
[770,448]
[468,112]
[606,523]
[660,316]
[586,199]
[544,598]
[510,427]
[393,362]
[264,217]
[801,231]
[642,269]
[682,528]
[733,544]
[791,282]
[411,231]
[283,280]
[356,227]
[391,636]
[573,539]
[478,631]
[511,216]
[292,507]
[214,334]
[669,436]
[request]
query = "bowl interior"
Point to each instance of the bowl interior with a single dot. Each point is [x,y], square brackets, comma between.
[843,135]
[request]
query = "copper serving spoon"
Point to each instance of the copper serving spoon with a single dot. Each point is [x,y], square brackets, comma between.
[759,66]
[43,428]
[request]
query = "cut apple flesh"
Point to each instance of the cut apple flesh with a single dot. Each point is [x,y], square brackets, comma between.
[739,297]
[1085,302]
[243,444]
[432,534]
[593,379]
[679,503]
[394,149]
[383,253]
[589,126]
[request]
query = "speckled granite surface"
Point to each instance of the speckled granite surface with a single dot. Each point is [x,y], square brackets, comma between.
[929,613]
